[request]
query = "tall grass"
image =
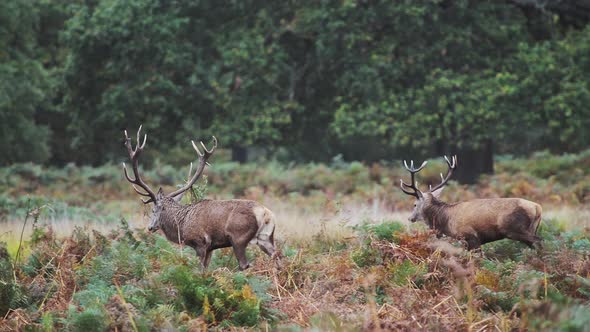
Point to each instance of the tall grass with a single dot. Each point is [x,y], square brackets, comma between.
[352,261]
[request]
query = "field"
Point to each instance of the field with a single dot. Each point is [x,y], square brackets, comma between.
[352,260]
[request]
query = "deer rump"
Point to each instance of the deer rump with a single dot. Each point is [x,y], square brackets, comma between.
[481,221]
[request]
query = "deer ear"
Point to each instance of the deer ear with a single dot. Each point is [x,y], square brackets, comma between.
[437,192]
[160,193]
[178,198]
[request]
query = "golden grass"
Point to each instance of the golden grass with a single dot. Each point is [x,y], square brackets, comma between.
[295,221]
[570,217]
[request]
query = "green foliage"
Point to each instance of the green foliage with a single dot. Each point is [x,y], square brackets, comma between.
[198,191]
[365,256]
[406,272]
[24,85]
[11,294]
[496,301]
[88,320]
[278,74]
[386,231]
[233,303]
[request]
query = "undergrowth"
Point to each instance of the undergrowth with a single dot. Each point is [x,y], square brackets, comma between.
[390,277]
[380,275]
[557,180]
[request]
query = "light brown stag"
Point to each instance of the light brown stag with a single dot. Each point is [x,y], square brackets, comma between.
[476,221]
[209,224]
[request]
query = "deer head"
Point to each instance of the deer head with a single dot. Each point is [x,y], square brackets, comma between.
[424,200]
[160,199]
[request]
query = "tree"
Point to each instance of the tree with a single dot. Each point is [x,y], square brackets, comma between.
[182,69]
[24,85]
[430,89]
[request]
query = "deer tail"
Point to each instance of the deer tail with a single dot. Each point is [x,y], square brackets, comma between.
[266,224]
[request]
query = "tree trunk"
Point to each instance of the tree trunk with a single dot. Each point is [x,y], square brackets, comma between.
[239,154]
[474,162]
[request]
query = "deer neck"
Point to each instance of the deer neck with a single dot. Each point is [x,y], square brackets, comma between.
[437,216]
[172,220]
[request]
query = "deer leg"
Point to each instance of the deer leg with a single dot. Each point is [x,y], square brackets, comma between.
[472,242]
[202,254]
[527,239]
[207,259]
[265,244]
[240,251]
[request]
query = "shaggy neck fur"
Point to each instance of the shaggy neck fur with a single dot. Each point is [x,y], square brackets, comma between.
[172,219]
[436,216]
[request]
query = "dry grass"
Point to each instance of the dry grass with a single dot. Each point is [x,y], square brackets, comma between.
[324,289]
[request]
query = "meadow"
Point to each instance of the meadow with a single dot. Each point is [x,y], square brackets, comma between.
[75,253]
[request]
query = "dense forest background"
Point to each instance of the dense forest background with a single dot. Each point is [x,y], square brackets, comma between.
[304,80]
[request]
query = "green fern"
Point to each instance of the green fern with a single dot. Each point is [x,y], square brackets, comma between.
[89,320]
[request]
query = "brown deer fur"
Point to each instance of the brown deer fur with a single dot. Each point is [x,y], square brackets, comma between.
[476,221]
[209,224]
[212,224]
[481,221]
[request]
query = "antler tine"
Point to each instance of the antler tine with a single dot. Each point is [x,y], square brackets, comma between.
[139,192]
[126,174]
[212,148]
[452,165]
[145,201]
[128,144]
[414,184]
[134,156]
[144,141]
[411,168]
[197,149]
[402,184]
[454,159]
[203,156]
[138,134]
[190,172]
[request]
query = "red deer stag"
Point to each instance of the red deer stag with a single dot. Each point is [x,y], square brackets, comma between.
[476,221]
[209,224]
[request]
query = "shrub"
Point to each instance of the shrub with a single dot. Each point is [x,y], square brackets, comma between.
[366,256]
[12,295]
[406,272]
[88,320]
[385,231]
[228,302]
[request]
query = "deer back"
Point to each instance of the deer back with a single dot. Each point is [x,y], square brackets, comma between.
[214,219]
[492,218]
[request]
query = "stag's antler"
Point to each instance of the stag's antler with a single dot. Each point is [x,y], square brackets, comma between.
[452,165]
[416,192]
[134,156]
[203,156]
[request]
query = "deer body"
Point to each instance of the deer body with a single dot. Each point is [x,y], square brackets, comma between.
[213,224]
[209,224]
[476,221]
[481,221]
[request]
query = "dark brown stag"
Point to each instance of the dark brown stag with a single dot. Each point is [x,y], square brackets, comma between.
[476,221]
[209,224]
